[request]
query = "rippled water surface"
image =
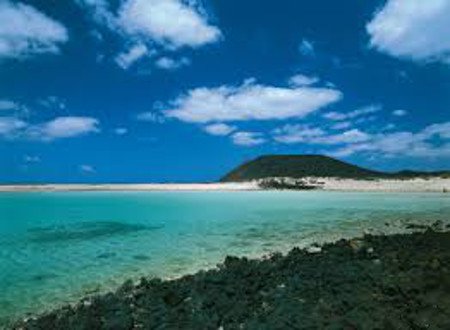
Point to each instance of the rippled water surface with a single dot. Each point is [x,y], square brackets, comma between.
[57,247]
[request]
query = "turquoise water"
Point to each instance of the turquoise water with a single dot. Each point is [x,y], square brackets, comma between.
[56,247]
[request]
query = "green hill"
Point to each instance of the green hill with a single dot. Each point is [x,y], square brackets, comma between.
[299,166]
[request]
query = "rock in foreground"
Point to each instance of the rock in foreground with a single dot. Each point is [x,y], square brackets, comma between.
[377,282]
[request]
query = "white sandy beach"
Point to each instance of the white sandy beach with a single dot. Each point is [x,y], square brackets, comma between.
[328,184]
[134,187]
[384,185]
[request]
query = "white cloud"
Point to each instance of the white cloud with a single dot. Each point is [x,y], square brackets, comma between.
[53,102]
[88,169]
[250,101]
[353,114]
[25,31]
[219,129]
[10,126]
[171,22]
[248,139]
[342,125]
[388,127]
[302,80]
[167,63]
[133,54]
[441,130]
[63,127]
[8,105]
[399,113]
[417,30]
[150,116]
[100,12]
[290,134]
[306,48]
[121,131]
[351,136]
[296,133]
[165,25]
[432,141]
[31,159]
[58,128]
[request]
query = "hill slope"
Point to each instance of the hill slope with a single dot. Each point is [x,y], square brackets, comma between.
[298,166]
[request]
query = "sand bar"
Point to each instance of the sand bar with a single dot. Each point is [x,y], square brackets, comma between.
[327,184]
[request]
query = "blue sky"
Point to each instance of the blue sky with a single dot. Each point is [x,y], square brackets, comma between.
[173,90]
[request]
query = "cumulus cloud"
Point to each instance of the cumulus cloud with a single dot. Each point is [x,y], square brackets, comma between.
[171,22]
[399,113]
[338,116]
[167,63]
[31,159]
[10,126]
[306,48]
[121,131]
[250,101]
[297,133]
[388,127]
[8,105]
[415,30]
[52,102]
[302,80]
[132,55]
[431,141]
[150,116]
[441,130]
[25,31]
[58,128]
[161,24]
[100,12]
[351,136]
[219,129]
[248,139]
[342,125]
[63,127]
[88,169]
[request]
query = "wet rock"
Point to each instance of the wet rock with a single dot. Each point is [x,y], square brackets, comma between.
[172,298]
[438,225]
[356,245]
[415,226]
[379,282]
[435,264]
[126,287]
[314,249]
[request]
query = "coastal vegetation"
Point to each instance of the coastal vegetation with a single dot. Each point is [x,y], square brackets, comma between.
[288,184]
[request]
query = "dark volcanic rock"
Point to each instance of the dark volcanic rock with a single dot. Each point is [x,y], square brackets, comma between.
[375,282]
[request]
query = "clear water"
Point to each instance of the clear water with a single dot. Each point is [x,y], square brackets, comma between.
[57,247]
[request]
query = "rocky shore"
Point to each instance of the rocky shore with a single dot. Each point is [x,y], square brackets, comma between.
[374,282]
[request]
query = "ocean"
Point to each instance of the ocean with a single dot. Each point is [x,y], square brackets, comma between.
[56,247]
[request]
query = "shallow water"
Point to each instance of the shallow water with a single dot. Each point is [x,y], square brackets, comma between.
[57,247]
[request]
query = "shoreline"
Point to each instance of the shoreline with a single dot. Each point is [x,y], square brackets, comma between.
[326,184]
[140,303]
[132,187]
[310,245]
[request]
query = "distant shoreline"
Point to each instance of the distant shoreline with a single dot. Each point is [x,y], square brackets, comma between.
[327,184]
[132,187]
